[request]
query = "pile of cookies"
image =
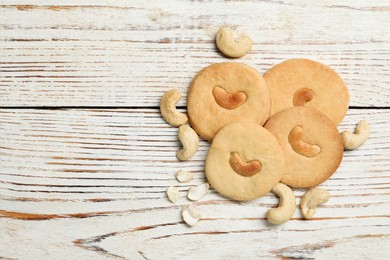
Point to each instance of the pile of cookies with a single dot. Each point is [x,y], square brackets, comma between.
[267,133]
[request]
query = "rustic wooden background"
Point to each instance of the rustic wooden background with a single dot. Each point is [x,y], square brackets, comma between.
[85,157]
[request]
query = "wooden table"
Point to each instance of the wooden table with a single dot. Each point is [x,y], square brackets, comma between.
[86,158]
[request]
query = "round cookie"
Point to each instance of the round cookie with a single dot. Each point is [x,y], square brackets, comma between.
[224,93]
[311,143]
[303,82]
[245,161]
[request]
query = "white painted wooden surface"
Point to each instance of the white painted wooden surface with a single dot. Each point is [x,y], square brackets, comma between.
[127,53]
[90,182]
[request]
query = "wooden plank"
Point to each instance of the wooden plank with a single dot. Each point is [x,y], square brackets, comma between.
[91,183]
[129,53]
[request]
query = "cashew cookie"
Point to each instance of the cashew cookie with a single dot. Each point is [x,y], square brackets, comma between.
[311,143]
[244,162]
[303,82]
[225,93]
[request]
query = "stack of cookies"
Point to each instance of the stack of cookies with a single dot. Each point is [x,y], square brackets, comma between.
[264,130]
[285,122]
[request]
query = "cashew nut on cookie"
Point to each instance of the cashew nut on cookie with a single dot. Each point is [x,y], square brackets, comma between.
[244,168]
[190,142]
[286,207]
[228,100]
[302,96]
[311,199]
[354,140]
[230,45]
[168,108]
[301,147]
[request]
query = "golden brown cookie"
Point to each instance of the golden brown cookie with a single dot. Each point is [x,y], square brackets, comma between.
[245,161]
[311,143]
[225,93]
[303,82]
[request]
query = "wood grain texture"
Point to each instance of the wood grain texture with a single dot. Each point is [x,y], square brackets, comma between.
[92,183]
[127,53]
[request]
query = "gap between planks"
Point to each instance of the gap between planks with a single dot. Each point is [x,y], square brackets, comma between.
[137,107]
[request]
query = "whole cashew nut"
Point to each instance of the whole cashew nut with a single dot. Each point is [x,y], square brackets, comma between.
[311,199]
[231,46]
[190,142]
[286,207]
[352,141]
[168,108]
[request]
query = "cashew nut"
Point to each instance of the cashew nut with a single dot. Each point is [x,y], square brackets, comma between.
[302,96]
[352,141]
[173,194]
[190,214]
[184,176]
[286,207]
[246,169]
[228,100]
[190,142]
[197,192]
[311,199]
[168,108]
[230,45]
[301,147]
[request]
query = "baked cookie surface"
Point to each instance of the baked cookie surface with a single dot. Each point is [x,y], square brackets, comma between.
[303,82]
[224,93]
[245,161]
[312,146]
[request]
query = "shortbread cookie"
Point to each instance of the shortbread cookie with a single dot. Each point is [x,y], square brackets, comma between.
[225,93]
[311,143]
[245,161]
[303,82]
